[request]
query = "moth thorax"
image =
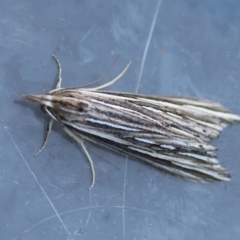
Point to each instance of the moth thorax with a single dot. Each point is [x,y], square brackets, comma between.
[78,105]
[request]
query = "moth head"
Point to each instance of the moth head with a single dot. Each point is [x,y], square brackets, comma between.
[48,102]
[33,97]
[43,100]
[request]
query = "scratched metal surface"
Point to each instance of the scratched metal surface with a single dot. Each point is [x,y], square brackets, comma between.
[185,47]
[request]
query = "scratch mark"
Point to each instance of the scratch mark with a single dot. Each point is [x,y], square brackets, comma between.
[16,40]
[21,31]
[147,44]
[3,44]
[138,209]
[79,209]
[40,186]
[56,188]
[85,36]
[124,197]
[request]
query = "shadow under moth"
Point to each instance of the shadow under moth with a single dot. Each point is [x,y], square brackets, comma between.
[169,133]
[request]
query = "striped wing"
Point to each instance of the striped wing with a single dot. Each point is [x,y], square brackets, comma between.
[169,133]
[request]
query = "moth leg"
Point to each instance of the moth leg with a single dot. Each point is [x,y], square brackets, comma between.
[91,164]
[80,141]
[49,128]
[59,82]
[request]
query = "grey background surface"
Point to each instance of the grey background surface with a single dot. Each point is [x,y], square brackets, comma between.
[178,47]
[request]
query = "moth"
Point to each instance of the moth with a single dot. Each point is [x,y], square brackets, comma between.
[169,133]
